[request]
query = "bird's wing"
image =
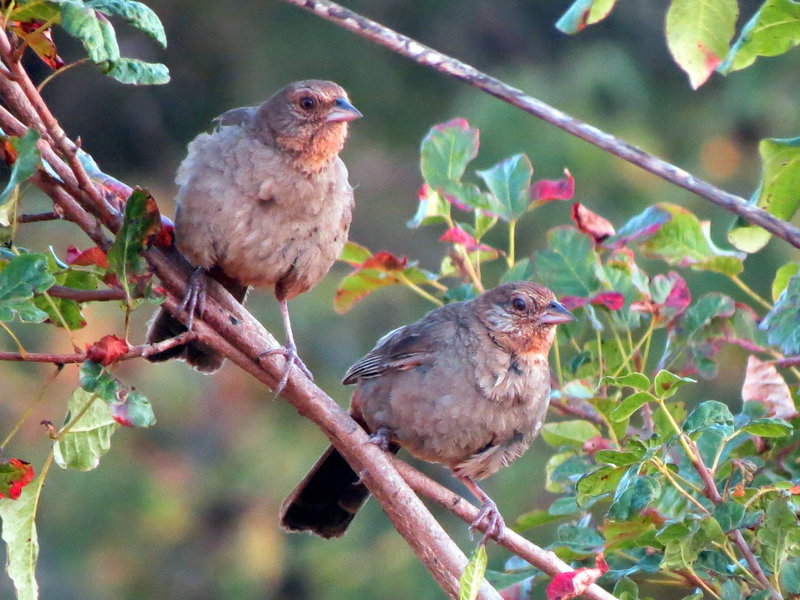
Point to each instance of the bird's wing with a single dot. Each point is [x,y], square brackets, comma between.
[236,116]
[407,347]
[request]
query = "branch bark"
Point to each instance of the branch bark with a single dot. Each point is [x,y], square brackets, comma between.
[443,63]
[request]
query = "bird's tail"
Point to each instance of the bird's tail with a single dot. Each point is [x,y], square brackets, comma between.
[200,356]
[328,498]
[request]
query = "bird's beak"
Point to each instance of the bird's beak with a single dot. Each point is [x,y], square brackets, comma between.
[343,111]
[555,313]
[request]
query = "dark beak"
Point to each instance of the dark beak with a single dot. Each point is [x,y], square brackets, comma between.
[555,313]
[343,111]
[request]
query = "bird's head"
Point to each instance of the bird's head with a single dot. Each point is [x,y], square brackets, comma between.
[308,120]
[522,316]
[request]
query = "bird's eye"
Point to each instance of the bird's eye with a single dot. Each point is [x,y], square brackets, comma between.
[519,304]
[307,103]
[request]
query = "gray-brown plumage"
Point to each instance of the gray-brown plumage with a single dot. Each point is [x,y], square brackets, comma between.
[264,201]
[467,386]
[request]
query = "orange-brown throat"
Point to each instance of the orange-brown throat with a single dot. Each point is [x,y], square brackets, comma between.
[314,148]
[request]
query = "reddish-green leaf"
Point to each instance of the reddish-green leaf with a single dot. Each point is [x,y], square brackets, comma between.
[446,151]
[583,13]
[15,474]
[26,159]
[698,34]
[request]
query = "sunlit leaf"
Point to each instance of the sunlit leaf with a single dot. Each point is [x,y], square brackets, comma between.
[472,577]
[776,193]
[22,542]
[773,30]
[698,34]
[666,384]
[89,438]
[583,13]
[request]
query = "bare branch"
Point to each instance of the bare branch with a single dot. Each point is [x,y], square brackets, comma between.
[438,61]
[60,291]
[36,218]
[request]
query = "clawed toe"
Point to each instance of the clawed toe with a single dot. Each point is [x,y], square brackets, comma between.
[291,357]
[194,301]
[495,524]
[381,438]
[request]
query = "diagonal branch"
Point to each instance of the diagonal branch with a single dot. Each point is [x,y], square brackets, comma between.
[443,63]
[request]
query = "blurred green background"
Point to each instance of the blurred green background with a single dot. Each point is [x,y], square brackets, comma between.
[188,508]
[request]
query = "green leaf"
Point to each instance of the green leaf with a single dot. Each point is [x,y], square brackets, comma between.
[681,553]
[599,482]
[446,151]
[133,71]
[790,576]
[773,30]
[782,277]
[770,428]
[637,381]
[142,221]
[731,591]
[620,459]
[626,589]
[698,34]
[22,541]
[778,530]
[579,539]
[89,438]
[95,378]
[666,383]
[22,277]
[686,241]
[472,577]
[534,518]
[354,254]
[509,181]
[781,323]
[729,515]
[522,271]
[432,208]
[32,10]
[568,266]
[630,500]
[25,164]
[92,29]
[572,433]
[135,14]
[630,405]
[776,193]
[706,414]
[583,13]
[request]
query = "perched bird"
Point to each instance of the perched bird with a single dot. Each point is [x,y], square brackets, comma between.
[467,386]
[264,201]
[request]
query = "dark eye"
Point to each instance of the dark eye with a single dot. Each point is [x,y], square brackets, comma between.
[307,102]
[519,304]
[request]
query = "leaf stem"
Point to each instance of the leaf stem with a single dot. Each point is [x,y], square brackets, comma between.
[418,290]
[29,410]
[20,347]
[664,470]
[750,292]
[54,74]
[512,242]
[67,427]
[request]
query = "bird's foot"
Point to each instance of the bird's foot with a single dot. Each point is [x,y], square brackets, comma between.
[495,524]
[291,357]
[194,301]
[381,438]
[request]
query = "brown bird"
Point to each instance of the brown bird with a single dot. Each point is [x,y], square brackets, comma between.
[264,201]
[467,386]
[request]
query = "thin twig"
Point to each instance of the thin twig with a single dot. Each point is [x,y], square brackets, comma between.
[60,291]
[438,61]
[35,218]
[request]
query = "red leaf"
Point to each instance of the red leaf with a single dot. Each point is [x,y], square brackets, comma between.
[15,474]
[456,235]
[459,122]
[572,584]
[40,40]
[166,235]
[85,258]
[385,261]
[593,445]
[545,190]
[592,224]
[573,302]
[108,350]
[611,300]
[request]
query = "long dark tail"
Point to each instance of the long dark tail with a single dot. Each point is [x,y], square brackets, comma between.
[200,356]
[327,499]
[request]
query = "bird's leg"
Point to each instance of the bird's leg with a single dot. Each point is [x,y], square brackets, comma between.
[194,301]
[289,350]
[495,525]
